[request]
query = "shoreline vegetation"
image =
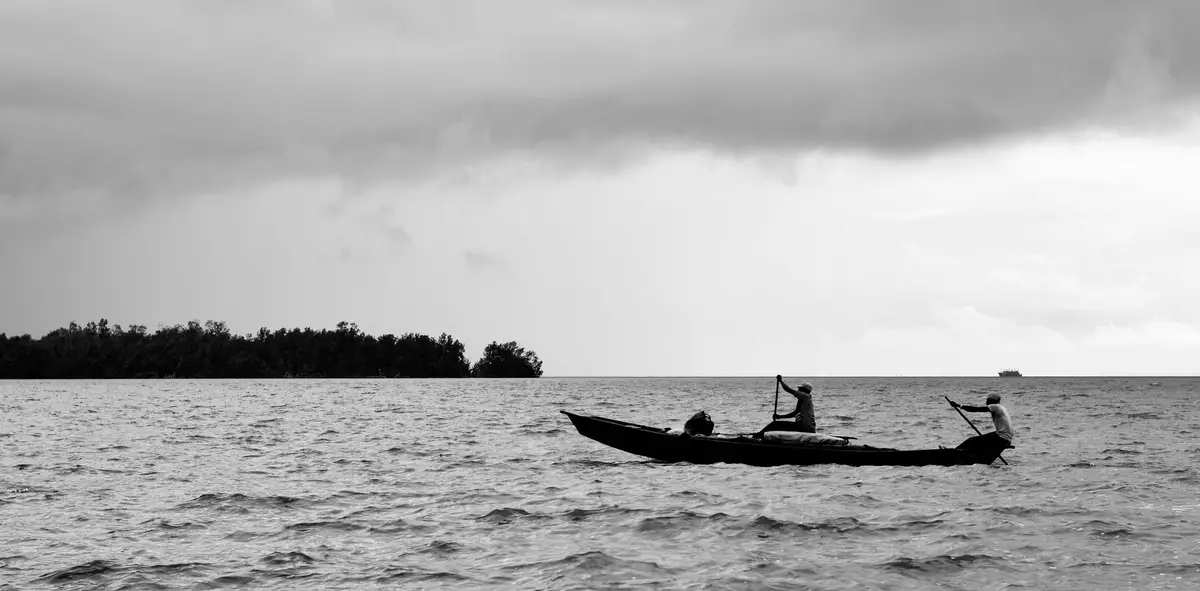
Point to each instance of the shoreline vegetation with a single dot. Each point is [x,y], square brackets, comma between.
[100,351]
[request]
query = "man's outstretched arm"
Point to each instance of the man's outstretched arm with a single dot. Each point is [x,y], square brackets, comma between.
[969,408]
[787,388]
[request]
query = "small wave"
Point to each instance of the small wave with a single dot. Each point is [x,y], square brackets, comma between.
[439,547]
[86,570]
[518,460]
[853,499]
[19,489]
[1128,464]
[1122,451]
[1118,533]
[1175,569]
[169,569]
[1089,564]
[228,581]
[506,515]
[1093,526]
[685,520]
[1019,511]
[286,558]
[592,463]
[246,536]
[352,494]
[554,431]
[838,525]
[911,526]
[938,564]
[79,468]
[399,526]
[238,502]
[160,523]
[591,562]
[469,462]
[408,450]
[691,496]
[308,526]
[412,574]
[582,514]
[1144,415]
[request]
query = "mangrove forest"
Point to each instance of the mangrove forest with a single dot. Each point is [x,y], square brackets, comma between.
[210,350]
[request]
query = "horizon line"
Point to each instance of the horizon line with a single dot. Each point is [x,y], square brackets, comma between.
[666,376]
[654,377]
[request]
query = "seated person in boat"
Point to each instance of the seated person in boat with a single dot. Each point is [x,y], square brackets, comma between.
[699,424]
[806,419]
[1002,436]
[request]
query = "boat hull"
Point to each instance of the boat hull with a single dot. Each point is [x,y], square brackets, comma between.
[660,444]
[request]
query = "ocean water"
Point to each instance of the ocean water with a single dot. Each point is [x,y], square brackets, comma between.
[473,484]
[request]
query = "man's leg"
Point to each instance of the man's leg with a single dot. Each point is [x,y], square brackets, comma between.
[781,426]
[986,441]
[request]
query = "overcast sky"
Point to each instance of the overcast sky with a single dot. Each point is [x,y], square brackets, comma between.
[685,187]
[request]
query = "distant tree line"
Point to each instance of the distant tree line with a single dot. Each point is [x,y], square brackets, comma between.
[210,350]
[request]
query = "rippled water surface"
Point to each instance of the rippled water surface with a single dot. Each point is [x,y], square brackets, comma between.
[352,484]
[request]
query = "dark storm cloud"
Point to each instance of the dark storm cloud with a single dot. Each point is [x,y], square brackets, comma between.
[156,97]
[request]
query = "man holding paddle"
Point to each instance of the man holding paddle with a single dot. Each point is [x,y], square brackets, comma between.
[806,419]
[1003,435]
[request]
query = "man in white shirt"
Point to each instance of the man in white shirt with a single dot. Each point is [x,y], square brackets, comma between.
[1003,435]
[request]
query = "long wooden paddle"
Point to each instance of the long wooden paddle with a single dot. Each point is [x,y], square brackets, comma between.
[960,413]
[773,412]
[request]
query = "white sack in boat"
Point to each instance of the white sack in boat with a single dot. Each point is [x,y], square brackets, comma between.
[808,438]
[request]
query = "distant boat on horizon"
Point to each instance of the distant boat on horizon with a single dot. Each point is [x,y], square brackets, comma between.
[1010,373]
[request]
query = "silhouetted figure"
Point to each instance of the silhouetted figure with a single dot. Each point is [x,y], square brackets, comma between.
[699,424]
[1002,436]
[805,418]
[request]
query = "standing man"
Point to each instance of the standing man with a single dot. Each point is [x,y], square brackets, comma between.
[806,419]
[1002,436]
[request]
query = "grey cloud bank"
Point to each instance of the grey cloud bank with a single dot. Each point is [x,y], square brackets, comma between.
[152,98]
